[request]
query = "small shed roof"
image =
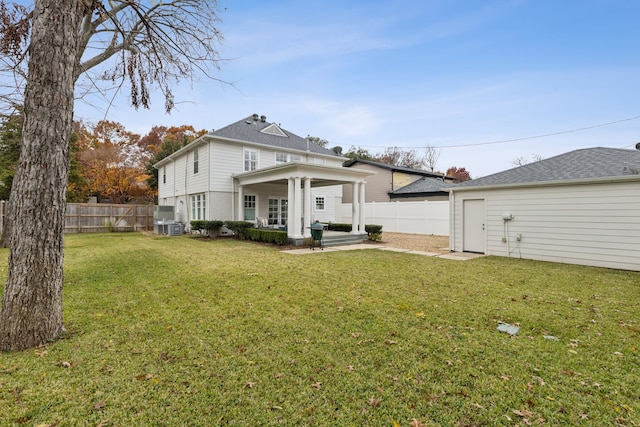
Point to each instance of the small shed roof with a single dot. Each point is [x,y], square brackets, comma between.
[396,168]
[588,164]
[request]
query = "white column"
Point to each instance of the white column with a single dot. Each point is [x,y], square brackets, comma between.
[306,224]
[297,209]
[355,212]
[240,214]
[290,208]
[361,208]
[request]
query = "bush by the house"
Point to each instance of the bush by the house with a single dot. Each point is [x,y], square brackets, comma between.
[374,231]
[207,228]
[239,228]
[268,236]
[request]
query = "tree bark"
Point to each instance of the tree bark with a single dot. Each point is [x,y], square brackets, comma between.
[31,312]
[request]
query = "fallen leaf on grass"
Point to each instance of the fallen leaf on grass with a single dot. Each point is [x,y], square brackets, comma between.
[317,385]
[416,423]
[522,413]
[100,405]
[374,402]
[617,353]
[142,377]
[249,384]
[477,406]
[8,370]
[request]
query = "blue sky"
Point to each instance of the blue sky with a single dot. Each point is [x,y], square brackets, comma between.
[459,75]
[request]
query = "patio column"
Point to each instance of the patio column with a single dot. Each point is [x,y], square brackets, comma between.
[240,214]
[362,208]
[355,211]
[297,208]
[290,207]
[306,224]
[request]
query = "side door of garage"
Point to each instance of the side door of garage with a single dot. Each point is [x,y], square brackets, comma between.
[473,226]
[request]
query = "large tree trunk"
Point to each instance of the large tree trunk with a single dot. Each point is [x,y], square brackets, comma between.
[32,302]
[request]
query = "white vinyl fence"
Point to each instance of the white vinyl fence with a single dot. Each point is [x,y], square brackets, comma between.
[423,217]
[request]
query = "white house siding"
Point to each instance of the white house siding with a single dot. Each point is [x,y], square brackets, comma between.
[595,224]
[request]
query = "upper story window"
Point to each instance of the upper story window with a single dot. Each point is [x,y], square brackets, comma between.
[195,161]
[250,160]
[164,174]
[284,158]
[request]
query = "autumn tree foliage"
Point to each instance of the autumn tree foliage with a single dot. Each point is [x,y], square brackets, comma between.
[398,157]
[459,174]
[113,163]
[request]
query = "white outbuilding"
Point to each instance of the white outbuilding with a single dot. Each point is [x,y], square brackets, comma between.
[581,207]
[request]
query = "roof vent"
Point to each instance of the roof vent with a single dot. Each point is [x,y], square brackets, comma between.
[255,117]
[263,119]
[638,146]
[337,150]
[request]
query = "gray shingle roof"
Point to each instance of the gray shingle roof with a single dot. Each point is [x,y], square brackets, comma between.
[249,129]
[394,168]
[587,163]
[424,185]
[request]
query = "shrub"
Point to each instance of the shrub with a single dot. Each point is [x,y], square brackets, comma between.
[268,236]
[239,228]
[197,225]
[374,231]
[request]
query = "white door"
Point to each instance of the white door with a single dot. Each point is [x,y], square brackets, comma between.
[473,225]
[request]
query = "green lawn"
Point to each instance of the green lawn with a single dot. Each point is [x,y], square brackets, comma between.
[182,332]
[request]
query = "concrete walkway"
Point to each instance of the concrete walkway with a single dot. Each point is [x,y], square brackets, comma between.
[460,256]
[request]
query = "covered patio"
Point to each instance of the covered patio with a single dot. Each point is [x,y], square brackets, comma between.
[299,179]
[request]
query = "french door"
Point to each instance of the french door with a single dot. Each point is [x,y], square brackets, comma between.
[278,212]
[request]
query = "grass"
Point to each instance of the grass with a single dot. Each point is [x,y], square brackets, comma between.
[181,332]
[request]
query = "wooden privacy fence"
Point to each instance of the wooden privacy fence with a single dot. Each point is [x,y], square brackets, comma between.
[98,217]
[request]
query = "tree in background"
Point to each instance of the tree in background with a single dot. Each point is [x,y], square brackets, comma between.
[358,153]
[10,134]
[524,160]
[431,156]
[112,162]
[399,157]
[458,174]
[163,141]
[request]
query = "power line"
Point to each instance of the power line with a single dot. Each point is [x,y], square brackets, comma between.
[503,141]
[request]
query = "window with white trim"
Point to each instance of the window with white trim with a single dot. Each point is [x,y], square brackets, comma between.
[320,203]
[195,161]
[250,160]
[249,207]
[198,207]
[285,158]
[164,174]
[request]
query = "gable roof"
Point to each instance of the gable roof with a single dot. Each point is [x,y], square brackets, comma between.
[257,130]
[395,168]
[583,164]
[425,185]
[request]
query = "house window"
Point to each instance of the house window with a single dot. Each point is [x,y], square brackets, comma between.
[250,160]
[164,174]
[281,158]
[319,203]
[198,207]
[195,161]
[284,158]
[249,207]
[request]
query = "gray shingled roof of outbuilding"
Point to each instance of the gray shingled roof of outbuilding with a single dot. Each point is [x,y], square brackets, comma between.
[587,163]
[249,129]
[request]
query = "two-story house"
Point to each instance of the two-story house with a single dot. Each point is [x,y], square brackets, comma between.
[253,170]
